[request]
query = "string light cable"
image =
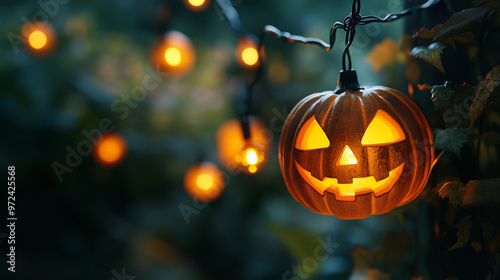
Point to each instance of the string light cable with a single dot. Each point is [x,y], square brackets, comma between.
[347,78]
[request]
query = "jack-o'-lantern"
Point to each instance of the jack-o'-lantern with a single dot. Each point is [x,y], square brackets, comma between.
[204,182]
[355,152]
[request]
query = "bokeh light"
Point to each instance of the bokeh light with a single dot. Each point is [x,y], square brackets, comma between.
[250,56]
[204,182]
[40,38]
[196,5]
[174,54]
[37,39]
[230,141]
[250,158]
[247,53]
[110,150]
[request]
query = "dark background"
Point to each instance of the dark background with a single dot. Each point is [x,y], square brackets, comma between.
[99,220]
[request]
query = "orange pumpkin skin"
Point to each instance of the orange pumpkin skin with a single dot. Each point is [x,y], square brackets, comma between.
[344,119]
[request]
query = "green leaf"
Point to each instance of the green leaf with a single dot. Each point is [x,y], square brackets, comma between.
[452,139]
[466,38]
[481,192]
[494,17]
[431,54]
[483,92]
[441,96]
[463,233]
[462,21]
[454,190]
[454,103]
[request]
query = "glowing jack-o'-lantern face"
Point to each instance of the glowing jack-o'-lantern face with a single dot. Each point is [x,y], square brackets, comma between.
[382,130]
[356,153]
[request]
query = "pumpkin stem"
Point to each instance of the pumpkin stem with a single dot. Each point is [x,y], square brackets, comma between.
[348,80]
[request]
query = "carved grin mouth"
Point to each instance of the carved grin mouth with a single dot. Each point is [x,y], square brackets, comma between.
[348,192]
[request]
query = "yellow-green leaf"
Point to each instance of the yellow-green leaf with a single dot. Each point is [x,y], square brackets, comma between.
[431,54]
[463,233]
[454,190]
[481,192]
[483,92]
[462,21]
[452,139]
[466,37]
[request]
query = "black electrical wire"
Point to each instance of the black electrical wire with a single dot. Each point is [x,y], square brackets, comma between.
[348,25]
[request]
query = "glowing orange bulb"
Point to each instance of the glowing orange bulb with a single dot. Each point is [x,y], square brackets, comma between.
[205,181]
[37,39]
[250,56]
[196,3]
[173,56]
[111,149]
[247,52]
[250,158]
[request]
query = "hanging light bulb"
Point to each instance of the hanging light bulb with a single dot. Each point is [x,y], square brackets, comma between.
[204,182]
[229,140]
[247,53]
[40,38]
[110,150]
[250,158]
[196,5]
[174,54]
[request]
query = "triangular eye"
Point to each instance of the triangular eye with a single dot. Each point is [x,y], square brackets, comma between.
[311,136]
[382,130]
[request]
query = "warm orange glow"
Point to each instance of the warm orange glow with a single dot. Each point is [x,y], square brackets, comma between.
[247,53]
[230,142]
[250,56]
[196,3]
[250,158]
[204,182]
[382,130]
[173,56]
[411,92]
[111,149]
[311,136]
[347,157]
[37,39]
[40,38]
[348,192]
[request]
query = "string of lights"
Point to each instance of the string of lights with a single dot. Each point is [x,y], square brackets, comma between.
[349,25]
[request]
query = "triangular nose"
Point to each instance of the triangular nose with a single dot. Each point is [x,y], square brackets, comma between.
[347,157]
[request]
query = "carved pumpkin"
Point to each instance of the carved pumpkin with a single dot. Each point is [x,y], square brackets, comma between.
[355,152]
[204,182]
